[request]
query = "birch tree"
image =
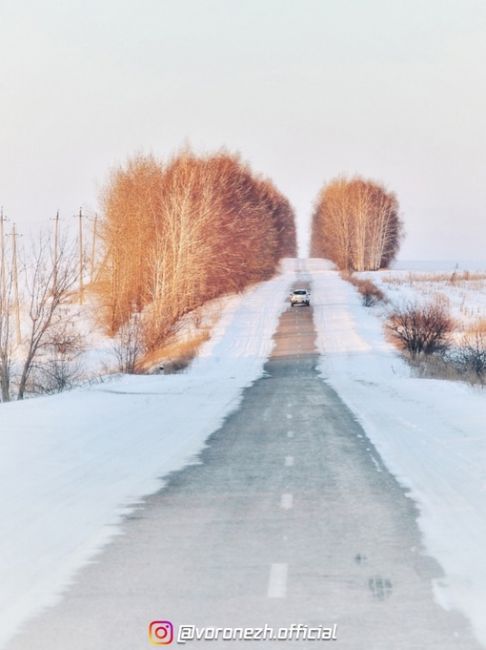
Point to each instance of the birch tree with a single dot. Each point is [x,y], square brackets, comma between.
[180,233]
[356,224]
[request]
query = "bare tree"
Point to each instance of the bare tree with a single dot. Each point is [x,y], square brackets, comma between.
[49,280]
[129,345]
[356,224]
[59,367]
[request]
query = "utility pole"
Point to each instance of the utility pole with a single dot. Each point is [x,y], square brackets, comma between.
[3,286]
[14,234]
[56,251]
[81,284]
[93,248]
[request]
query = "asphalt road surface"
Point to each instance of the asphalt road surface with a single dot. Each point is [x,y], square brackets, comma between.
[289,517]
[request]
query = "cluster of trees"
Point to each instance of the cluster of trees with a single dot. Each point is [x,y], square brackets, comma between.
[356,224]
[176,235]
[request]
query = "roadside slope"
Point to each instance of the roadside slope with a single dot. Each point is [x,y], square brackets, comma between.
[430,434]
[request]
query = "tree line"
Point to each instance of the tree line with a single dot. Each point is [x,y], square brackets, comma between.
[178,234]
[172,235]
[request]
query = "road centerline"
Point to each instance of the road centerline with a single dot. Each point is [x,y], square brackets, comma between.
[286,501]
[277,581]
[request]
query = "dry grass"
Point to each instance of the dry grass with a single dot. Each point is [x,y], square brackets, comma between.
[464,361]
[370,293]
[173,356]
[437,367]
[456,278]
[477,328]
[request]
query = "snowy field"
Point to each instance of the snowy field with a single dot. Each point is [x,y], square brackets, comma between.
[460,290]
[72,465]
[438,266]
[431,434]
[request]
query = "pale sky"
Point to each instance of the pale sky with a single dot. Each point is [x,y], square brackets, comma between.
[304,89]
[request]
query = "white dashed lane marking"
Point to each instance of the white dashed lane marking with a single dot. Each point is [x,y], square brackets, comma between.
[286,501]
[277,581]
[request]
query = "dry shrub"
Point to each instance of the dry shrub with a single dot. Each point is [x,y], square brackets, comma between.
[128,345]
[180,234]
[356,224]
[175,355]
[478,328]
[370,293]
[421,329]
[472,351]
[442,299]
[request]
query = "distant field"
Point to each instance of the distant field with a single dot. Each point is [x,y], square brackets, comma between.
[461,292]
[439,265]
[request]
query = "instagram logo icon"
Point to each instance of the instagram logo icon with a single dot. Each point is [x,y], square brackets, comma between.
[161,632]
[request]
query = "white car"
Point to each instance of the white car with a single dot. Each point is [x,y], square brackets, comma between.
[300,297]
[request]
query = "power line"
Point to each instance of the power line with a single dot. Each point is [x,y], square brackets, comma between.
[56,251]
[80,216]
[93,248]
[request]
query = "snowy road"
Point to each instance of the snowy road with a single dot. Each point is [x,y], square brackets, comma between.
[289,517]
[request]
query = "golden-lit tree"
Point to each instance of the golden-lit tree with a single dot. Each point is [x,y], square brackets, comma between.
[132,212]
[356,224]
[179,234]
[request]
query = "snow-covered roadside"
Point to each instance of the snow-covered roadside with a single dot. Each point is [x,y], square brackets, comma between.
[464,298]
[431,434]
[71,465]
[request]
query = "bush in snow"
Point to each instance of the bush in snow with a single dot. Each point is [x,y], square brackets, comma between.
[421,329]
[472,353]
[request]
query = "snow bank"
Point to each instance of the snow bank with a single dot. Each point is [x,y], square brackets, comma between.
[71,465]
[431,434]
